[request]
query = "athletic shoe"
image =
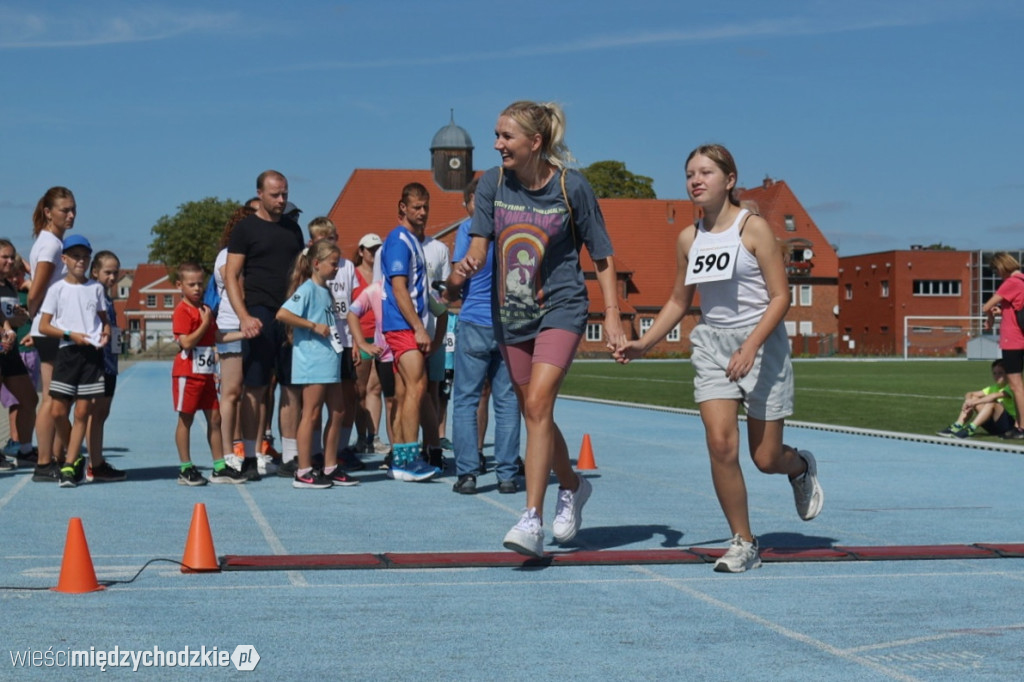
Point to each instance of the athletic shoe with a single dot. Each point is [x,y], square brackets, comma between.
[415,471]
[6,464]
[483,463]
[28,459]
[527,536]
[191,477]
[389,458]
[265,465]
[267,448]
[466,485]
[349,460]
[339,477]
[227,475]
[569,511]
[104,473]
[949,430]
[1013,434]
[380,447]
[446,444]
[12,449]
[71,475]
[741,556]
[288,469]
[234,458]
[807,491]
[965,432]
[508,486]
[314,479]
[47,473]
[251,469]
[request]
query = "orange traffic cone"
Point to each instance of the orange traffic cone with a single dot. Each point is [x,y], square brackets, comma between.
[586,459]
[200,556]
[76,571]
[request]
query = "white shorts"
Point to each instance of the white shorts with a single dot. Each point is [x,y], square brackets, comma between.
[766,391]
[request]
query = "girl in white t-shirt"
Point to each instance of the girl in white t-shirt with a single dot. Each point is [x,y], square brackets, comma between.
[740,351]
[54,215]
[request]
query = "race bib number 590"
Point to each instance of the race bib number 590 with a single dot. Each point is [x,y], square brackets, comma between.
[712,263]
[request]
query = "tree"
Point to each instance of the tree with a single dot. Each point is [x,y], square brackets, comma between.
[191,234]
[611,180]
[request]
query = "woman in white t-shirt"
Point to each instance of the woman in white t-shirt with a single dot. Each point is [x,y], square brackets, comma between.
[54,215]
[229,353]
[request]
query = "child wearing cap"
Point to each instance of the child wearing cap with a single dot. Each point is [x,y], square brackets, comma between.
[74,311]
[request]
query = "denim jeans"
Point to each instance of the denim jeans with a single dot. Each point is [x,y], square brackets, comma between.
[477,358]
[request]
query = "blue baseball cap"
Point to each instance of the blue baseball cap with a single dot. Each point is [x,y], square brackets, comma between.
[76,240]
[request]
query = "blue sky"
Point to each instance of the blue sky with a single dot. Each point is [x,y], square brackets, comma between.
[895,123]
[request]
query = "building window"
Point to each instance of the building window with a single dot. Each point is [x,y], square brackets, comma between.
[805,294]
[790,224]
[151,301]
[593,331]
[790,328]
[806,328]
[849,292]
[133,325]
[168,300]
[885,288]
[123,291]
[645,324]
[673,335]
[792,295]
[936,287]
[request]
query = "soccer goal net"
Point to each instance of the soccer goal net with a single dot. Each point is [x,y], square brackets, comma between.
[949,336]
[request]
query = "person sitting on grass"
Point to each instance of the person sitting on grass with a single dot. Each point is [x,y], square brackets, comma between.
[992,408]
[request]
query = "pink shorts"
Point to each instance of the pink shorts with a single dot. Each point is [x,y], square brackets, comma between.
[551,347]
[401,342]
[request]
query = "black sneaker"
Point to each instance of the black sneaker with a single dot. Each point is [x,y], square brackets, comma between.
[288,469]
[1013,434]
[104,473]
[229,475]
[191,477]
[508,486]
[466,485]
[250,469]
[483,463]
[28,459]
[6,464]
[315,479]
[349,460]
[388,460]
[339,477]
[47,473]
[72,474]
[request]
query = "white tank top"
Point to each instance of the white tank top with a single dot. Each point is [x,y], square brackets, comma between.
[741,300]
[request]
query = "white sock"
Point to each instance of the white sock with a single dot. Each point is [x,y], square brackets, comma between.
[289,449]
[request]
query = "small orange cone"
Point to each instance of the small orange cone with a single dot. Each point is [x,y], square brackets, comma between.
[200,556]
[586,459]
[76,571]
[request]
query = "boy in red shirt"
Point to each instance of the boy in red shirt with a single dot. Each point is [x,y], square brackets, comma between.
[193,379]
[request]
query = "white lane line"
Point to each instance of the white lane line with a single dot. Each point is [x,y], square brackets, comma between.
[775,627]
[276,546]
[14,491]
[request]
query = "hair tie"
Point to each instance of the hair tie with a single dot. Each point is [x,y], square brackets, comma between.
[305,251]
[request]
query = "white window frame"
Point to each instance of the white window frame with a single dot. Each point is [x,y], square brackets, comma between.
[792,296]
[673,335]
[849,291]
[595,331]
[885,288]
[150,300]
[168,300]
[790,328]
[806,295]
[806,328]
[645,324]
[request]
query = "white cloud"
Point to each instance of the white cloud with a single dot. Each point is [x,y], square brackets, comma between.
[86,26]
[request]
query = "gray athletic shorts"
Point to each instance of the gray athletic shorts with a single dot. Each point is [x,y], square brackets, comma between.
[766,391]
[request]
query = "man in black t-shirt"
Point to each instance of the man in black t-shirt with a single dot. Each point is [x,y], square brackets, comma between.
[262,250]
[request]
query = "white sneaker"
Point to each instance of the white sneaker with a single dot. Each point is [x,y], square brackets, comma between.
[233,461]
[569,511]
[527,536]
[380,447]
[807,491]
[741,556]
[266,465]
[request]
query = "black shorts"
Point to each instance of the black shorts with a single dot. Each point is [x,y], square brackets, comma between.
[265,354]
[386,374]
[348,366]
[109,384]
[998,427]
[47,347]
[77,372]
[11,364]
[1013,361]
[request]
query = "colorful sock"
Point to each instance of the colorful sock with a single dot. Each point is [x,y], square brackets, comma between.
[330,470]
[185,466]
[219,465]
[303,472]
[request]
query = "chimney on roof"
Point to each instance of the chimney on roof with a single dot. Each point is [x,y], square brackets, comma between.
[670,213]
[767,182]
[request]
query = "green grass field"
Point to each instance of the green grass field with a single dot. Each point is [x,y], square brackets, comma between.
[890,395]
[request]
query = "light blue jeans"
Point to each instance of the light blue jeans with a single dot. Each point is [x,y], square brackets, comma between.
[477,359]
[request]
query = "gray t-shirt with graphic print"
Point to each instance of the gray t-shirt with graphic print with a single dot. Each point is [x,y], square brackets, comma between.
[538,283]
